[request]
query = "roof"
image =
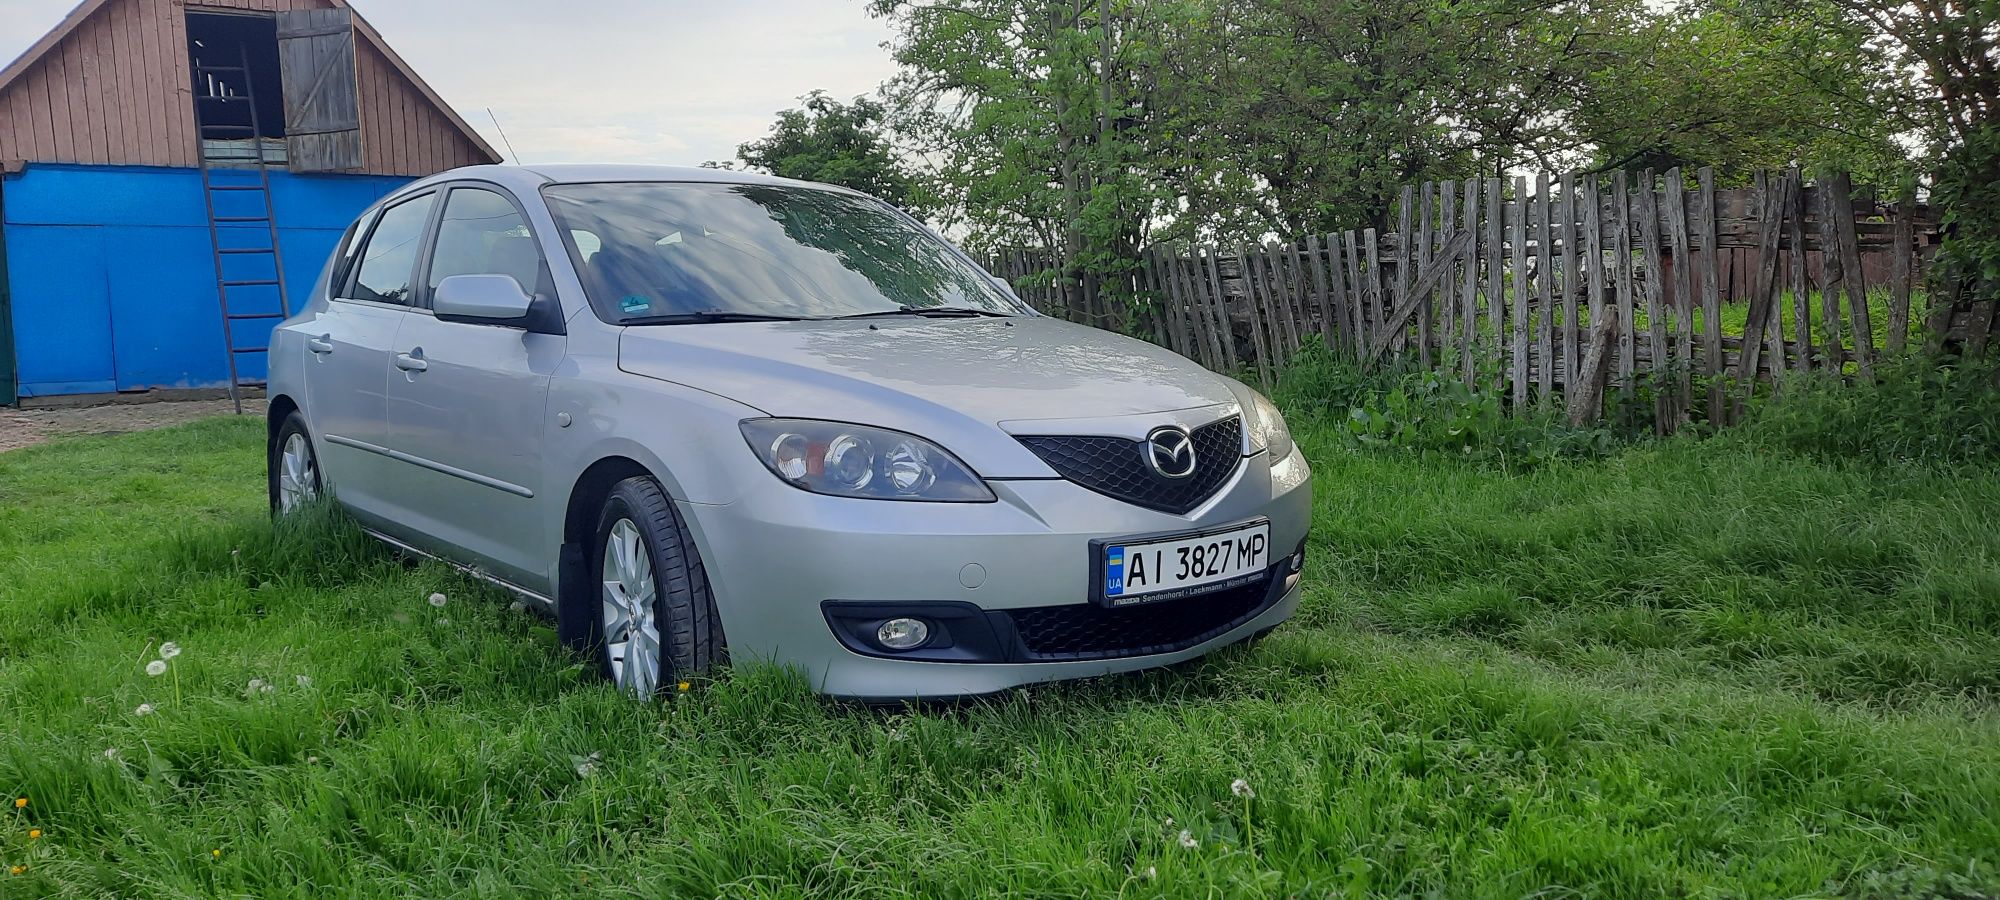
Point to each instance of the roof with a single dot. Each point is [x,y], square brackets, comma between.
[528,178]
[88,8]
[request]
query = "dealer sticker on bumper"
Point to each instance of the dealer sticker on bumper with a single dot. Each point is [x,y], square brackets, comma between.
[1181,566]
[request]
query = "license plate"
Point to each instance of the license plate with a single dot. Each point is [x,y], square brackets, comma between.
[1142,570]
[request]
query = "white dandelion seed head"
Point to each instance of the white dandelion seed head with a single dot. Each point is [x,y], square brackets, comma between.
[1241,788]
[304,681]
[443,620]
[1187,840]
[437,600]
[257,686]
[156,668]
[111,753]
[312,760]
[1152,872]
[517,606]
[1170,821]
[145,709]
[169,650]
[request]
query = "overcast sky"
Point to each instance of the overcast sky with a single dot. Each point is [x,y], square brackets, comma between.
[674,82]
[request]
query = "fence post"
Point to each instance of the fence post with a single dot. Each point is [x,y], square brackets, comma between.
[1517,366]
[1545,317]
[1656,325]
[1795,232]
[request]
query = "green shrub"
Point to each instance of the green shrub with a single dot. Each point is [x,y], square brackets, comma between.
[1430,411]
[1928,410]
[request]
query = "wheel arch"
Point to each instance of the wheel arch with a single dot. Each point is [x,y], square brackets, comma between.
[281,405]
[586,495]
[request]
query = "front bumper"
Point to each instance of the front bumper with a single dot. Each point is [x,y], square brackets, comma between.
[780,559]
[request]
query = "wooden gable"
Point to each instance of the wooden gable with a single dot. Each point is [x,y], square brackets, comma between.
[111,85]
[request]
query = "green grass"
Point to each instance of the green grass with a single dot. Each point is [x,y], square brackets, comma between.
[1684,669]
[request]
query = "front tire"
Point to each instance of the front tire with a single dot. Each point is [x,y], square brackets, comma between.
[292,469]
[655,622]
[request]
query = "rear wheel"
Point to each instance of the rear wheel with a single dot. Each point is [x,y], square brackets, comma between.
[293,469]
[656,621]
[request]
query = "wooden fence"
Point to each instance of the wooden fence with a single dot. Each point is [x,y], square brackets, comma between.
[1557,288]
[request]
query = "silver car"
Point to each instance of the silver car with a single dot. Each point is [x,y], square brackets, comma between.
[700,415]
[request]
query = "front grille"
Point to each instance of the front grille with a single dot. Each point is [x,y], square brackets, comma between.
[1116,467]
[1089,631]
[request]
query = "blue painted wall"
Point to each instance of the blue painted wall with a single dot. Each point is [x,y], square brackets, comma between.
[114,285]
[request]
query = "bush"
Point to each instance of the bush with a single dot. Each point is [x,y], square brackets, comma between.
[1430,411]
[1929,410]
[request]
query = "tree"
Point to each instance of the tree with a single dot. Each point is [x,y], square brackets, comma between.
[837,143]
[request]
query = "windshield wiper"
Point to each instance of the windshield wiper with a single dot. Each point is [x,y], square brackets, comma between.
[706,316]
[929,312]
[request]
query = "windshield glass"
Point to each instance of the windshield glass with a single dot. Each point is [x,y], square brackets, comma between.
[646,250]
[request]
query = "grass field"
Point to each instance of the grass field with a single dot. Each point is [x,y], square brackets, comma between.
[1685,669]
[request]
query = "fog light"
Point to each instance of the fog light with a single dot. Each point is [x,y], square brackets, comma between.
[903,634]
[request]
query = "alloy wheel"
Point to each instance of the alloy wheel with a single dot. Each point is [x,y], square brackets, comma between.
[631,631]
[298,481]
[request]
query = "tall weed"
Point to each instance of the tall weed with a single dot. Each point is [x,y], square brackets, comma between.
[1431,412]
[1920,409]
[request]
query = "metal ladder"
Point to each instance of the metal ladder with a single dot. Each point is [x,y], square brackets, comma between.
[211,186]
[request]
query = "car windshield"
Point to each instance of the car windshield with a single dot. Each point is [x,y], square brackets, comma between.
[654,252]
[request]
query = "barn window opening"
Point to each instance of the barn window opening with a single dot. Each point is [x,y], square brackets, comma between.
[235,61]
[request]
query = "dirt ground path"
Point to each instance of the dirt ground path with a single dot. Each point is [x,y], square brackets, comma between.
[28,427]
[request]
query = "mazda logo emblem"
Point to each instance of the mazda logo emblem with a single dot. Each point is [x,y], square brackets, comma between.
[1170,452]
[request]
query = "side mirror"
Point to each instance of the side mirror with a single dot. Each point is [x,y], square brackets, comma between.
[483,299]
[494,300]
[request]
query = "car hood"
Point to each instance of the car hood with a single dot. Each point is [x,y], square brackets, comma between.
[954,381]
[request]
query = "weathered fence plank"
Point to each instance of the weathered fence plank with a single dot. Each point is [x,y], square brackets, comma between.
[1468,291]
[1656,325]
[1545,316]
[1517,221]
[1795,232]
[1684,296]
[1899,275]
[1622,244]
[1850,265]
[1571,288]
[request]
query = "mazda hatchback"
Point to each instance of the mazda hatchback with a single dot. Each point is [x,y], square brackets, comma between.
[700,415]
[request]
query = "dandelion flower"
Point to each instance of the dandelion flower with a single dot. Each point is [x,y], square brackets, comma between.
[156,668]
[169,650]
[16,870]
[1188,841]
[20,802]
[145,709]
[217,853]
[437,600]
[305,681]
[1241,788]
[34,834]
[682,686]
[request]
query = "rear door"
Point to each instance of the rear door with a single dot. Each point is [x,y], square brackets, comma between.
[347,376]
[467,407]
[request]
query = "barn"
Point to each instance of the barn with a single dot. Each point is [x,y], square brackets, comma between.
[174,172]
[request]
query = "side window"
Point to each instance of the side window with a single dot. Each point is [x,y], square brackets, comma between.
[388,261]
[351,247]
[482,234]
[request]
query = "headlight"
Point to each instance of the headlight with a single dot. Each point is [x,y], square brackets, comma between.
[859,461]
[1267,428]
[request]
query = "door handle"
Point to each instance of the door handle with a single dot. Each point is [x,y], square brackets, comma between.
[411,363]
[322,344]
